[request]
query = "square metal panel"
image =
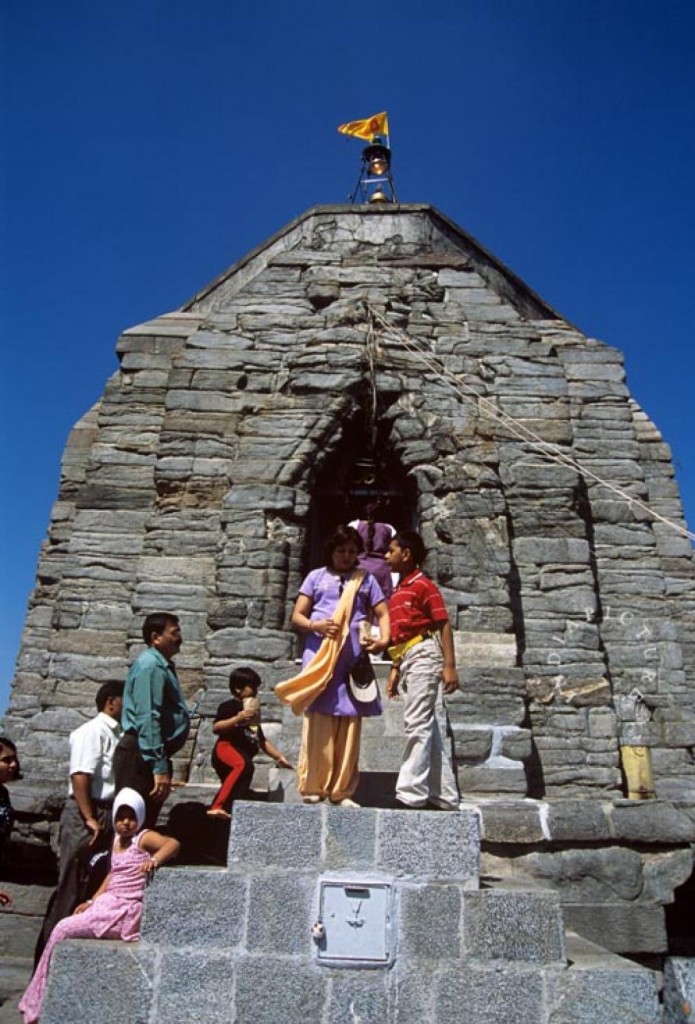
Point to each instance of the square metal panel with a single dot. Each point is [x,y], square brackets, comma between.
[357,918]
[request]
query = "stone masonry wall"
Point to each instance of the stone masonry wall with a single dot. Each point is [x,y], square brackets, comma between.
[189,487]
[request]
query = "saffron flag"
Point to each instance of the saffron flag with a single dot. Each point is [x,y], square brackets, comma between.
[376,125]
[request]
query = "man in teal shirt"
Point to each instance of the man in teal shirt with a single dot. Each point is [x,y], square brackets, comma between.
[155,718]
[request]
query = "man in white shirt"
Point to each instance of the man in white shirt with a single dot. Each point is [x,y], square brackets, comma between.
[86,817]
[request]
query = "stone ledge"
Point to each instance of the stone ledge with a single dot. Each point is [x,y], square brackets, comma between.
[649,822]
[310,839]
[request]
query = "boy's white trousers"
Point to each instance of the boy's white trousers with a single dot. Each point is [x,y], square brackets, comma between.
[426,774]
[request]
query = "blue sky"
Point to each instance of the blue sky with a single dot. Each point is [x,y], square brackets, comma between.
[148,145]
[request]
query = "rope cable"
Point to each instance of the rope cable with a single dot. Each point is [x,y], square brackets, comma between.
[547,449]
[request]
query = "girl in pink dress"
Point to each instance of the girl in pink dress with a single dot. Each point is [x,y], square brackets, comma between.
[116,908]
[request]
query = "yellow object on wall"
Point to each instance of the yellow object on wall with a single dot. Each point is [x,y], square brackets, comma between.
[637,766]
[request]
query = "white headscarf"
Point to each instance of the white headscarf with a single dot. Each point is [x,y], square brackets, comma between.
[130,798]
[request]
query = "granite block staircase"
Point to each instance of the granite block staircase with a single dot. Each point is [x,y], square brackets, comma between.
[235,943]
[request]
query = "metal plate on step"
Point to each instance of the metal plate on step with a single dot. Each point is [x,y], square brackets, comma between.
[356,917]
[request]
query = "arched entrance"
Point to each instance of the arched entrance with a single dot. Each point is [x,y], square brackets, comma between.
[362,474]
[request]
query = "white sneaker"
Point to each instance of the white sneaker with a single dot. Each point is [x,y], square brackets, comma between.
[345,802]
[313,799]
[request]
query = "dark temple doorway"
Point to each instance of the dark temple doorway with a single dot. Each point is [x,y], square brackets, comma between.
[358,479]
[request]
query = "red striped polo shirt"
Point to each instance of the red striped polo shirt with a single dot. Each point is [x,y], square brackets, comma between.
[415,606]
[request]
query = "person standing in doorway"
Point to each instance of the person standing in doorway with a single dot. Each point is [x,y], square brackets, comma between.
[155,718]
[333,603]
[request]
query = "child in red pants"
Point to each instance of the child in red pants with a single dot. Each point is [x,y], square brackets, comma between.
[239,738]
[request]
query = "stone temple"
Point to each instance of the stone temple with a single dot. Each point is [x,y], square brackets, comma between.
[364,352]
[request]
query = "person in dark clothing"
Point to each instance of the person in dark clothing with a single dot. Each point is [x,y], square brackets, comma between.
[9,771]
[239,738]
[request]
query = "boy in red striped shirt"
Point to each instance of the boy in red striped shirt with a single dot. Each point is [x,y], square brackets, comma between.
[423,656]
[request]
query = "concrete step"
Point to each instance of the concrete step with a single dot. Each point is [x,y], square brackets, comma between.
[15,973]
[120,983]
[599,986]
[410,880]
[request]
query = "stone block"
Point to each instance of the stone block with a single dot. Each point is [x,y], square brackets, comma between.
[621,927]
[412,995]
[641,821]
[124,981]
[492,777]
[288,990]
[515,744]
[513,926]
[598,988]
[664,872]
[489,697]
[382,755]
[429,922]
[587,874]
[350,840]
[490,650]
[290,837]
[261,644]
[281,911]
[509,994]
[679,990]
[602,723]
[359,996]
[579,820]
[194,985]
[188,891]
[18,932]
[472,743]
[546,550]
[512,821]
[257,496]
[429,845]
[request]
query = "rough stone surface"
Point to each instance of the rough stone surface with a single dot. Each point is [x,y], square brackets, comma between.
[205,477]
[79,987]
[502,995]
[456,953]
[625,928]
[208,974]
[679,990]
[405,846]
[189,893]
[513,926]
[598,988]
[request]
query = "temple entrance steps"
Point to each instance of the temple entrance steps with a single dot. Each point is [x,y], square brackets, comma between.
[412,938]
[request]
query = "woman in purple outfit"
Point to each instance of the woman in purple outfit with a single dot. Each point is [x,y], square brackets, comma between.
[333,601]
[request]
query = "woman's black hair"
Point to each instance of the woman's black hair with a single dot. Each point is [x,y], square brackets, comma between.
[372,512]
[414,542]
[343,535]
[241,677]
[5,742]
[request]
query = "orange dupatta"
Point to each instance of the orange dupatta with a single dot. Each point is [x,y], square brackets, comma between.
[301,690]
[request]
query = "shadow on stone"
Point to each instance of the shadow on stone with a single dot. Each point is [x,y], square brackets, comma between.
[377,789]
[203,839]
